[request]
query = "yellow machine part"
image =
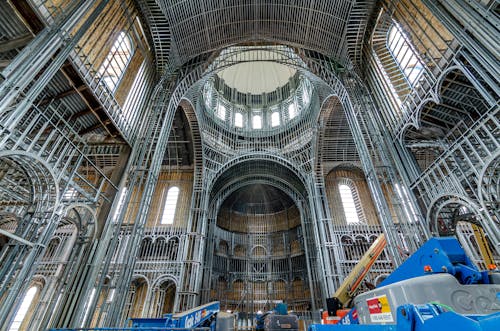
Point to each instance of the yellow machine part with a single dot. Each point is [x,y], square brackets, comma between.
[351,283]
[482,242]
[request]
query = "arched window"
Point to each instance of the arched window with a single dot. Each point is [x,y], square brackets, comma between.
[404,54]
[221,111]
[23,308]
[208,96]
[346,195]
[399,65]
[116,61]
[305,95]
[292,110]
[275,119]
[170,206]
[257,122]
[238,120]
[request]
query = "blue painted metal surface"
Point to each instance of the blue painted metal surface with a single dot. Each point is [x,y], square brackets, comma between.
[197,317]
[152,328]
[280,309]
[149,322]
[439,255]
[353,327]
[427,317]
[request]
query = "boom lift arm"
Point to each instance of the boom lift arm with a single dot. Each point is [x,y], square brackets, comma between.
[347,290]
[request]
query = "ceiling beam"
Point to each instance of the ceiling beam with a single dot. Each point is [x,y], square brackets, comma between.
[104,123]
[95,127]
[9,45]
[4,63]
[61,95]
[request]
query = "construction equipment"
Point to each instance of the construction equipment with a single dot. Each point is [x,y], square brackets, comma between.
[347,290]
[483,246]
[201,316]
[276,320]
[437,288]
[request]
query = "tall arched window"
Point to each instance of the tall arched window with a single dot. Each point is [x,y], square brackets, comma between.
[305,95]
[221,111]
[398,63]
[350,210]
[257,122]
[275,119]
[116,61]
[292,110]
[404,54]
[23,308]
[238,120]
[170,206]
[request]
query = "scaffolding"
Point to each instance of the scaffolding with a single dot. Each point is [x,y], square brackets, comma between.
[84,167]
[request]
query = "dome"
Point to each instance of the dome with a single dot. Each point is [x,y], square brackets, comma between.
[258,199]
[258,209]
[257,77]
[257,93]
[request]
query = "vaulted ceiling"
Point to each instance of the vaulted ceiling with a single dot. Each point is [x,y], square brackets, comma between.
[182,29]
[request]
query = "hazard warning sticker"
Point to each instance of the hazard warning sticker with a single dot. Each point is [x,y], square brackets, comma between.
[379,309]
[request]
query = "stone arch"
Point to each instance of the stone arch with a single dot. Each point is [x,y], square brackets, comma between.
[137,294]
[254,171]
[459,104]
[219,288]
[38,282]
[280,289]
[308,64]
[354,178]
[198,72]
[346,239]
[37,209]
[164,296]
[222,284]
[240,251]
[223,247]
[239,161]
[298,288]
[258,251]
[237,290]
